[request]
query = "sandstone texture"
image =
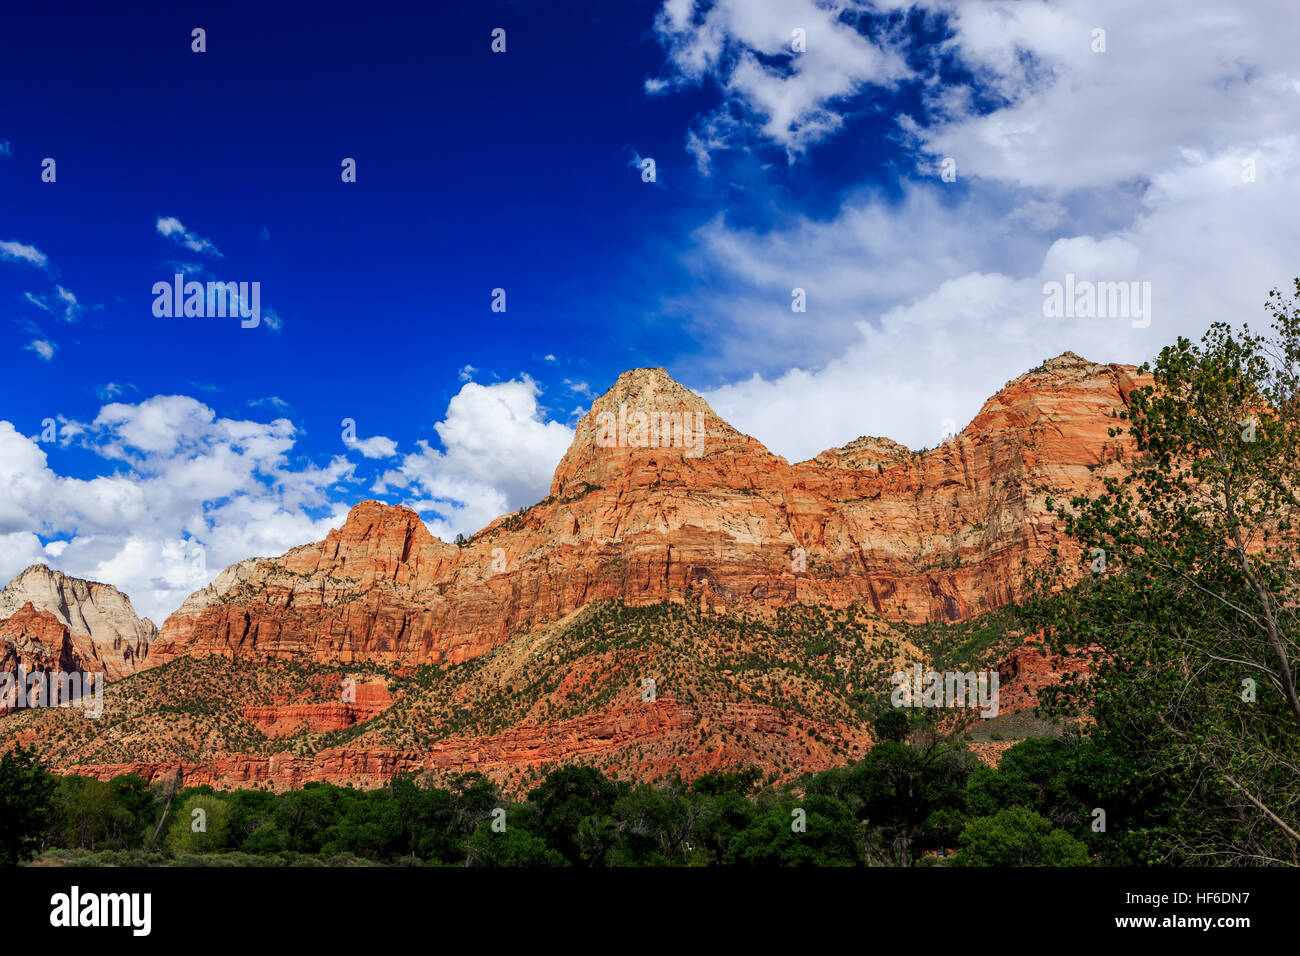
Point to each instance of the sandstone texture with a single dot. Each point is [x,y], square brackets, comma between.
[283,719]
[33,642]
[939,535]
[105,632]
[657,504]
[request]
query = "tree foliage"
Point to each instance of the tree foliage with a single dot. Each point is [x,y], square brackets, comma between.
[1191,611]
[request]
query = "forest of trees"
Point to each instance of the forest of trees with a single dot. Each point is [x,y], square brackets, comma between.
[912,801]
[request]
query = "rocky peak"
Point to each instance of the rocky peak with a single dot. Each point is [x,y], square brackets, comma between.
[645,418]
[33,642]
[106,632]
[1062,388]
[28,626]
[864,452]
[377,542]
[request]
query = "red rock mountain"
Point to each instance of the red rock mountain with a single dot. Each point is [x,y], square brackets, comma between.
[32,642]
[104,632]
[932,536]
[769,602]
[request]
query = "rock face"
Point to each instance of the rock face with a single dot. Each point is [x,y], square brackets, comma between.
[104,631]
[1031,667]
[286,719]
[32,642]
[657,502]
[659,499]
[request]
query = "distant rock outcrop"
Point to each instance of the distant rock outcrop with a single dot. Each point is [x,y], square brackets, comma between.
[105,633]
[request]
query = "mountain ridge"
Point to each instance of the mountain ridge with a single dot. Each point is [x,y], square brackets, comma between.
[768,600]
[929,535]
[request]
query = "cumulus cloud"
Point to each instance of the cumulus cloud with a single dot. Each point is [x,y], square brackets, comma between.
[183,494]
[499,453]
[1213,77]
[172,227]
[12,250]
[42,347]
[784,67]
[1150,162]
[376,446]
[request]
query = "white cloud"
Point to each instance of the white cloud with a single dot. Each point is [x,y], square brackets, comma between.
[182,492]
[15,251]
[42,347]
[1122,166]
[271,401]
[1211,77]
[189,268]
[747,46]
[190,494]
[175,229]
[62,302]
[376,446]
[499,455]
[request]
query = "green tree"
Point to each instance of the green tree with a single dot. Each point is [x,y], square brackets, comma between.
[1017,836]
[891,724]
[26,798]
[518,845]
[830,836]
[199,826]
[1192,592]
[133,809]
[911,798]
[653,826]
[573,803]
[1037,773]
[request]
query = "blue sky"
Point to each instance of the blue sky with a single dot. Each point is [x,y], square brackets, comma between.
[184,444]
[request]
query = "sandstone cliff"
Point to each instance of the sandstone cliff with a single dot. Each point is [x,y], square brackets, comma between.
[32,642]
[770,602]
[643,508]
[105,633]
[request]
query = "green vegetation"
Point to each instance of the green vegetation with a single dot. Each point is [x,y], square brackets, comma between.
[1190,603]
[1018,837]
[911,801]
[26,793]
